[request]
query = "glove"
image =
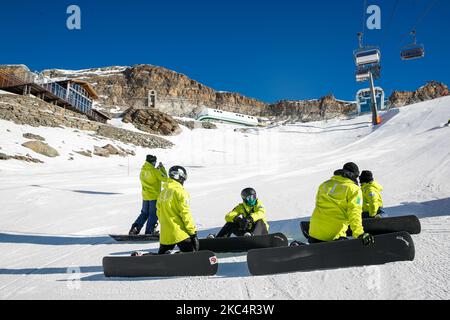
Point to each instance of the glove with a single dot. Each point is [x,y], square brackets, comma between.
[195,242]
[249,223]
[160,165]
[378,216]
[367,239]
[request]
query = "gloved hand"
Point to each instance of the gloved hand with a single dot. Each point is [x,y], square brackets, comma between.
[378,216]
[195,242]
[367,239]
[249,223]
[160,165]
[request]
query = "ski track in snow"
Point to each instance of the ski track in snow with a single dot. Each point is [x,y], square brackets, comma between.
[58,215]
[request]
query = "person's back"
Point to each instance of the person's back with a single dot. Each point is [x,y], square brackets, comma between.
[338,206]
[372,199]
[151,179]
[174,214]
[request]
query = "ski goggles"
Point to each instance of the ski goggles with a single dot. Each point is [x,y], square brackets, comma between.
[250,199]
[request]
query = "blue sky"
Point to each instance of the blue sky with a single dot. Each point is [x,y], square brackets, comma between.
[270,50]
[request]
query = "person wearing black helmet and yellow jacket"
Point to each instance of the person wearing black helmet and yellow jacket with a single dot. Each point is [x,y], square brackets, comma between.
[246,219]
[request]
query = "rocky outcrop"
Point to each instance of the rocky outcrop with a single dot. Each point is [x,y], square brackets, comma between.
[41,148]
[177,94]
[197,124]
[34,112]
[26,158]
[152,121]
[327,107]
[85,153]
[33,136]
[431,90]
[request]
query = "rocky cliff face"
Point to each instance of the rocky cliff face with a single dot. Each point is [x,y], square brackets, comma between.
[123,87]
[325,108]
[431,90]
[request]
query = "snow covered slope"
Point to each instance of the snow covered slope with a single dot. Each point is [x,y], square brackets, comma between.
[55,217]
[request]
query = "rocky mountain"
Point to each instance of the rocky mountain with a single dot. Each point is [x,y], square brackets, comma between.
[123,87]
[431,90]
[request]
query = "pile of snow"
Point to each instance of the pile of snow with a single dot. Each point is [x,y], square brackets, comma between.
[56,216]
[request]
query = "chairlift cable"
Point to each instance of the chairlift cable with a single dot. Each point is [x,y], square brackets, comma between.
[421,18]
[391,18]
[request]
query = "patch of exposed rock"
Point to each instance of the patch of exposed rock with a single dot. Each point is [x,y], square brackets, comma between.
[152,121]
[432,90]
[41,148]
[26,158]
[197,124]
[31,111]
[33,137]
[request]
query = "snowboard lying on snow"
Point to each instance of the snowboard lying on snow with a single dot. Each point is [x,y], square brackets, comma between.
[331,255]
[138,238]
[410,224]
[201,263]
[243,244]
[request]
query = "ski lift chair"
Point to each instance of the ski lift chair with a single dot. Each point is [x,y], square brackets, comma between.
[366,55]
[413,50]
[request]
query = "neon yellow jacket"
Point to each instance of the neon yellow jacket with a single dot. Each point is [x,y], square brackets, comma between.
[257,212]
[151,179]
[372,199]
[338,206]
[174,213]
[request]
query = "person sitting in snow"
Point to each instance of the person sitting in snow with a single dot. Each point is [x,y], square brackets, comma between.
[246,219]
[338,206]
[372,200]
[151,179]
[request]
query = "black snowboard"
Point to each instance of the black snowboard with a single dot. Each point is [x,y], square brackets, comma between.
[410,224]
[243,244]
[331,255]
[202,263]
[138,238]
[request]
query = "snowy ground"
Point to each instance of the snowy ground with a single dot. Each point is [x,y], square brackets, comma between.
[55,217]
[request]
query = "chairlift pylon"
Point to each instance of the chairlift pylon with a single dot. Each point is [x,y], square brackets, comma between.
[413,50]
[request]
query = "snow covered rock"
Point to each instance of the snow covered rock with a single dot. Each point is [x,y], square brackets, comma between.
[41,148]
[432,90]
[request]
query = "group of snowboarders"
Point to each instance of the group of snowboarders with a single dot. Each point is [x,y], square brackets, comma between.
[340,203]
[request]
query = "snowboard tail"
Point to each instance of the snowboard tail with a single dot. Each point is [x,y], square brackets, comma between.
[243,244]
[138,238]
[202,263]
[410,224]
[332,255]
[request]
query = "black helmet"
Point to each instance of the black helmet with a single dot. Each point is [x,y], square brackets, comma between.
[353,168]
[249,196]
[151,159]
[366,177]
[178,173]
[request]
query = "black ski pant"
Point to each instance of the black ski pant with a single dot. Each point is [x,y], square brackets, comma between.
[259,228]
[184,246]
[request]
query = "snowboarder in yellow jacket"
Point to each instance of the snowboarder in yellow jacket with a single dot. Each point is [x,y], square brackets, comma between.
[338,206]
[247,218]
[372,200]
[174,213]
[151,178]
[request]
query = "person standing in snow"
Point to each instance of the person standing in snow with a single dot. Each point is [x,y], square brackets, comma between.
[151,178]
[338,206]
[247,218]
[174,213]
[372,200]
